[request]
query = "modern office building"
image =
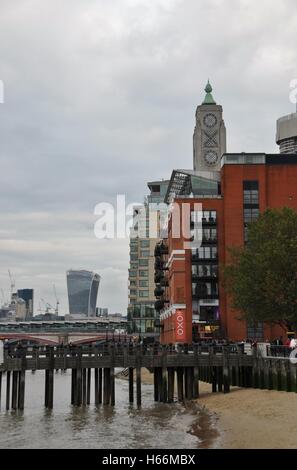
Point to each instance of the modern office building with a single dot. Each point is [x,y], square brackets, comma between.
[101,312]
[28,296]
[82,292]
[142,317]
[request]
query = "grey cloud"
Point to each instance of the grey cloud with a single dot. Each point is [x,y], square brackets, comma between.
[100,98]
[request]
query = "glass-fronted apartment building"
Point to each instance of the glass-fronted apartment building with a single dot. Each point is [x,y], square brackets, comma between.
[142,317]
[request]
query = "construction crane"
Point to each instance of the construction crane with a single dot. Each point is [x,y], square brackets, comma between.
[48,306]
[12,283]
[57,301]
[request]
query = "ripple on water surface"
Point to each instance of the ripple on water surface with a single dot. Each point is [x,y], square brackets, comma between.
[124,426]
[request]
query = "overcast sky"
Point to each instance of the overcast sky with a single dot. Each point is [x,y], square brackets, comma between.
[100,97]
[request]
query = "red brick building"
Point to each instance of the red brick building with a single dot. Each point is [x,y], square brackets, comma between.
[192,301]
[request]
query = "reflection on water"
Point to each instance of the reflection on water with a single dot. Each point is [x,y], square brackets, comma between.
[124,426]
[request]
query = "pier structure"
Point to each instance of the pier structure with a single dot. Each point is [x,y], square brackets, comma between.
[176,373]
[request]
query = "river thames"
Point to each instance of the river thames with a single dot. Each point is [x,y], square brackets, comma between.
[155,425]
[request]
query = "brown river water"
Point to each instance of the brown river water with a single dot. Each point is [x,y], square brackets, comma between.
[155,425]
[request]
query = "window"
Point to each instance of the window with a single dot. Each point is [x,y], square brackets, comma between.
[143,283]
[145,254]
[250,215]
[143,262]
[132,273]
[133,292]
[134,265]
[143,293]
[144,243]
[250,204]
[205,289]
[255,330]
[143,273]
[209,234]
[133,257]
[205,252]
[133,283]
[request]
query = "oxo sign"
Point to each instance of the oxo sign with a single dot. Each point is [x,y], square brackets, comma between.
[180,325]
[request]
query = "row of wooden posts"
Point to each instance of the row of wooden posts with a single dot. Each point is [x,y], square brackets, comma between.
[174,374]
[184,381]
[15,389]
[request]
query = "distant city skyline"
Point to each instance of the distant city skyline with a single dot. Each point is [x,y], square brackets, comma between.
[101,99]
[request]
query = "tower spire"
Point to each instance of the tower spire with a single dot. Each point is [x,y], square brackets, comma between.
[208,97]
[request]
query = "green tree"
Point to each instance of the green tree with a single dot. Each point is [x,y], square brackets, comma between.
[261,277]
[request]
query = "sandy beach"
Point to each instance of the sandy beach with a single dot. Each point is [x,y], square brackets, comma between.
[244,418]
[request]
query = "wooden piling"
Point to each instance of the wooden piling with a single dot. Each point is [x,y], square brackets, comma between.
[84,387]
[51,389]
[170,384]
[106,386]
[78,386]
[131,385]
[14,394]
[214,379]
[160,384]
[156,384]
[100,387]
[89,386]
[112,387]
[21,392]
[226,371]
[180,385]
[138,386]
[188,383]
[96,385]
[164,385]
[46,391]
[220,378]
[196,383]
[279,375]
[288,376]
[8,389]
[74,395]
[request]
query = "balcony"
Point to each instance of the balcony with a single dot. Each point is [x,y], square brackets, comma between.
[158,291]
[210,240]
[159,305]
[161,249]
[205,291]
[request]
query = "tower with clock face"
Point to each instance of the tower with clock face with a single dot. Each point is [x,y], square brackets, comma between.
[209,140]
